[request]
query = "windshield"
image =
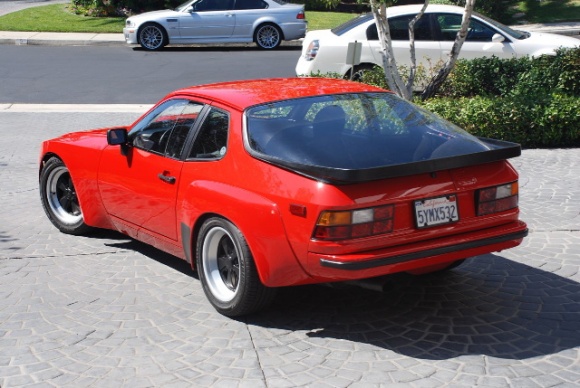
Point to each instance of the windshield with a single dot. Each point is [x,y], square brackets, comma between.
[354,131]
[183,6]
[352,23]
[505,29]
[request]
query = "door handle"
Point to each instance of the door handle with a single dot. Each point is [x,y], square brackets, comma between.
[166,178]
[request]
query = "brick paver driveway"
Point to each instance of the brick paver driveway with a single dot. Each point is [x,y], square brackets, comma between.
[105,311]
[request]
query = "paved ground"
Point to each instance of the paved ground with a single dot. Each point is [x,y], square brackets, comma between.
[105,311]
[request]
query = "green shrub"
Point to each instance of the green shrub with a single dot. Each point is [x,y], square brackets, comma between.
[116,7]
[553,123]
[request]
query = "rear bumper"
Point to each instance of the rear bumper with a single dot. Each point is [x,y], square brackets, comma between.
[380,262]
[415,256]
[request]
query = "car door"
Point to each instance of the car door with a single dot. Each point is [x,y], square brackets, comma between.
[427,49]
[247,12]
[139,186]
[207,20]
[478,42]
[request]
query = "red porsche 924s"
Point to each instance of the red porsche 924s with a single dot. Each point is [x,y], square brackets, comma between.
[278,182]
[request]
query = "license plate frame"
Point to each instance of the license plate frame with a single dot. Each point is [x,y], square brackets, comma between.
[436,211]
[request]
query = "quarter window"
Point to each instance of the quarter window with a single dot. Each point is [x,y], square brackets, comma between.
[251,4]
[211,141]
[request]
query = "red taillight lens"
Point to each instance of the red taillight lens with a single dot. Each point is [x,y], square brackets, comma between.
[497,199]
[301,15]
[342,225]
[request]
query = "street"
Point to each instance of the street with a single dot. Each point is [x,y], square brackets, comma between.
[106,311]
[122,75]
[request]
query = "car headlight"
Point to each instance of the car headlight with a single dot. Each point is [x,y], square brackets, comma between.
[129,23]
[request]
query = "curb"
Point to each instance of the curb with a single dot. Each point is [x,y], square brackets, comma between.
[117,39]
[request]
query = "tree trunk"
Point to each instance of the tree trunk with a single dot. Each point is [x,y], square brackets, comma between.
[442,74]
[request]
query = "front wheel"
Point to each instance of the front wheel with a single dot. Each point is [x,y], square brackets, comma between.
[227,270]
[152,37]
[59,198]
[268,36]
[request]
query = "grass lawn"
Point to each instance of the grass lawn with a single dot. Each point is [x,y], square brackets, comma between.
[56,18]
[550,11]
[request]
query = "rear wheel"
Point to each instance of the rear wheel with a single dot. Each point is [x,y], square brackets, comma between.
[268,36]
[152,37]
[358,72]
[227,270]
[59,198]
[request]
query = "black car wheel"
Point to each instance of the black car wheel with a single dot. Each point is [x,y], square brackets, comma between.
[227,270]
[59,198]
[152,37]
[268,36]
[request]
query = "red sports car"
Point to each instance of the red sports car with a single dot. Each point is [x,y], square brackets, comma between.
[278,182]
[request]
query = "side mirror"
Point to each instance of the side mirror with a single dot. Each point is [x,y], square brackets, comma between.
[117,136]
[497,38]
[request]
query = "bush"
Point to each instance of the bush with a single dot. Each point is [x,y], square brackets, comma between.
[554,123]
[120,7]
[517,76]
[533,102]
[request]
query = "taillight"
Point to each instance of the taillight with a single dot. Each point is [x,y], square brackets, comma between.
[497,199]
[312,50]
[348,224]
[300,15]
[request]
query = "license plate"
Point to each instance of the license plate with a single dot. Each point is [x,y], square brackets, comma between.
[436,211]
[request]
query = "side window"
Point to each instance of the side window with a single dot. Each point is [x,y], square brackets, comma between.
[165,129]
[213,5]
[399,28]
[250,4]
[212,139]
[451,24]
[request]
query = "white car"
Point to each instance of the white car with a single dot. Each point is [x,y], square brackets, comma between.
[266,22]
[325,51]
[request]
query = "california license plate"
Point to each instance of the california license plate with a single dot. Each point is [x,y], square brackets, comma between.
[436,211]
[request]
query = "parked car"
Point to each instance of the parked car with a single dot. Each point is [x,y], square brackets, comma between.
[278,182]
[265,22]
[325,51]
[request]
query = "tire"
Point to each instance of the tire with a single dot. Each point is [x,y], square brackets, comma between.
[268,36]
[59,198]
[227,271]
[152,37]
[358,72]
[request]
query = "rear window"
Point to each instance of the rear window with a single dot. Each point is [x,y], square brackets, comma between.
[353,131]
[352,23]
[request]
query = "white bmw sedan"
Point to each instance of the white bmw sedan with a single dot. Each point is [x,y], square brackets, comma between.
[265,22]
[325,51]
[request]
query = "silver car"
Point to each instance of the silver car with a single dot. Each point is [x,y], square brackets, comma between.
[265,22]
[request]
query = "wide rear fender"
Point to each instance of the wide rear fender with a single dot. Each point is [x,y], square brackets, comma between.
[257,217]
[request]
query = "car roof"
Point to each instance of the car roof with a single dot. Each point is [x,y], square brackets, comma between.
[415,8]
[243,94]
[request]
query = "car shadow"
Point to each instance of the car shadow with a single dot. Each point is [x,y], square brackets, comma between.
[221,48]
[121,241]
[490,305]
